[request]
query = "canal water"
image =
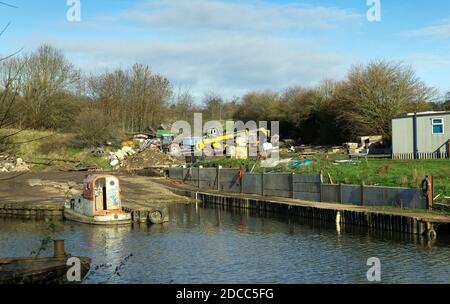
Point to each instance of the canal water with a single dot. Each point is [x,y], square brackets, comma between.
[210,245]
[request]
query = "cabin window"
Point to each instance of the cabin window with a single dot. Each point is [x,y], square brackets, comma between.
[438,125]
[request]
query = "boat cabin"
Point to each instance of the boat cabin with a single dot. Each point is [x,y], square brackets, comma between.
[101,196]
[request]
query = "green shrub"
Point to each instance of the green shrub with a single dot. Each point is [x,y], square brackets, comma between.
[92,129]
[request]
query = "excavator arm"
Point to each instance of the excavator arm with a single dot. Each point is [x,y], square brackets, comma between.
[218,142]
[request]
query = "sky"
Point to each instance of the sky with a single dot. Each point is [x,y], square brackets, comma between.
[231,47]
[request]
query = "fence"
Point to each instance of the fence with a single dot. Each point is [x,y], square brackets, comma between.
[421,155]
[309,187]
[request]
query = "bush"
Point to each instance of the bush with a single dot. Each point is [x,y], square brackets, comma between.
[93,129]
[54,144]
[7,145]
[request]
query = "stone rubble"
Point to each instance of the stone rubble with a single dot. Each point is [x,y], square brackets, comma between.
[115,159]
[12,164]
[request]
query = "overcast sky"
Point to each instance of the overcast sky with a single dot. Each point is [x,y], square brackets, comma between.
[231,47]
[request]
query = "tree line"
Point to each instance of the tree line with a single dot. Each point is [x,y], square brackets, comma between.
[43,90]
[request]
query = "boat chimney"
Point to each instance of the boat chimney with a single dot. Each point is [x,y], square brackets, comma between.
[58,249]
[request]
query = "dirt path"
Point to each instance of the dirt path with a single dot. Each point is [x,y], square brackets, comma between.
[55,187]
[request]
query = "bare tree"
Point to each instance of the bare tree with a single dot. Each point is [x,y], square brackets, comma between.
[183,107]
[300,103]
[260,106]
[46,78]
[213,106]
[372,95]
[134,99]
[8,92]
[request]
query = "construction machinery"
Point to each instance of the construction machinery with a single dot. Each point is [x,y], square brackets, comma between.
[220,143]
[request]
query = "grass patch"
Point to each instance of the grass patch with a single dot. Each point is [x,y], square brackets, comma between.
[384,172]
[38,148]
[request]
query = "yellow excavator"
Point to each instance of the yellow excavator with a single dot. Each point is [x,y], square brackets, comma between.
[219,143]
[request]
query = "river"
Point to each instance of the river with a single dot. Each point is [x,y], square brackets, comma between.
[208,245]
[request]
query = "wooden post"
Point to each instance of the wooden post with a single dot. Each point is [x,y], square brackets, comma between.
[241,178]
[430,192]
[448,149]
[218,177]
[292,185]
[321,183]
[262,183]
[198,177]
[184,174]
[362,194]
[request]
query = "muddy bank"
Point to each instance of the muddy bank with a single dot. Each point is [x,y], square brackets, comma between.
[44,193]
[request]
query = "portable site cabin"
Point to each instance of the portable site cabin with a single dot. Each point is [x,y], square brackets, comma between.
[421,136]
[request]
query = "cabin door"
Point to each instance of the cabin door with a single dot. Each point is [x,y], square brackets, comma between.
[112,194]
[100,195]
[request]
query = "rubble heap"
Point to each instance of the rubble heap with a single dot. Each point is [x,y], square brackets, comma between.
[12,164]
[132,159]
[150,158]
[117,158]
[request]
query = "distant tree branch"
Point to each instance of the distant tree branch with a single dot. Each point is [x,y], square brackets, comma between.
[5,121]
[34,140]
[5,28]
[11,135]
[12,55]
[7,4]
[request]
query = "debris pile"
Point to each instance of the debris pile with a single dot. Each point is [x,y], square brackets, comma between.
[98,152]
[150,158]
[117,158]
[12,164]
[141,158]
[146,142]
[153,148]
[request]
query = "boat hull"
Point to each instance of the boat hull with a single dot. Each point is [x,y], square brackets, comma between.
[113,219]
[38,270]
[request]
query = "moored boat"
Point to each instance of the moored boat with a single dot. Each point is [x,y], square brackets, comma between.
[42,270]
[99,204]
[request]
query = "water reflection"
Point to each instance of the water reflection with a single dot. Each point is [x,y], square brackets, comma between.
[220,245]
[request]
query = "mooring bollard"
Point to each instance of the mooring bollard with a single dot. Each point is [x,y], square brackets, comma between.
[58,249]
